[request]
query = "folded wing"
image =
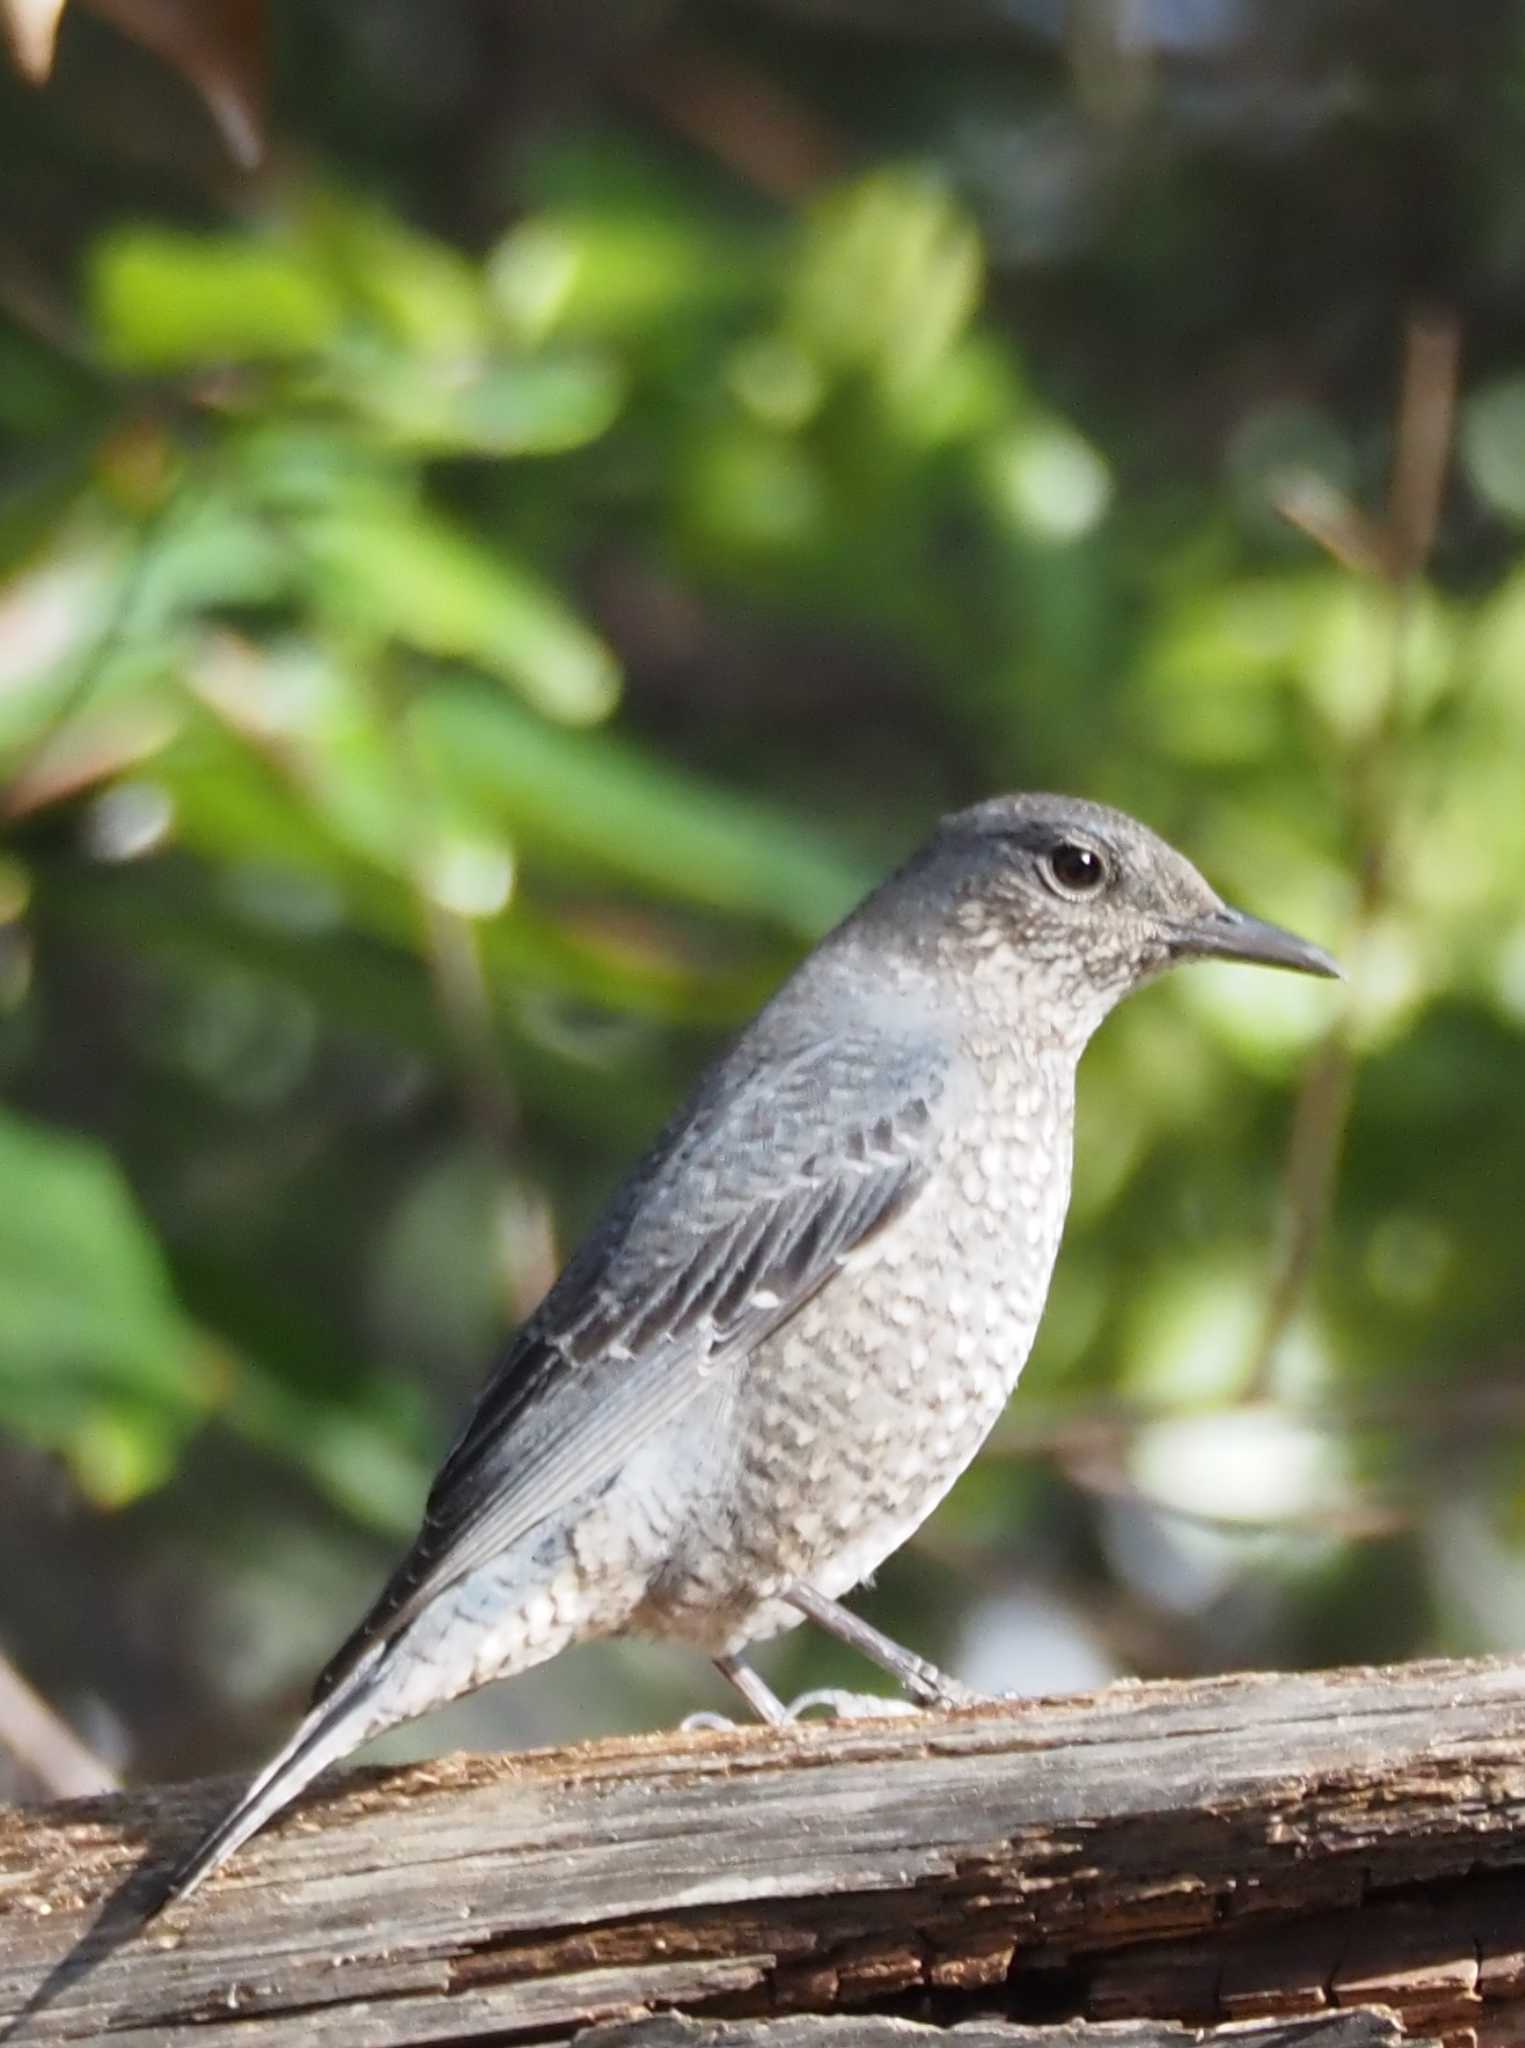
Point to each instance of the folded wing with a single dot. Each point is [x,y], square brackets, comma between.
[786,1162]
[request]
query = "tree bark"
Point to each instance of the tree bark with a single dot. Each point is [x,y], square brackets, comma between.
[1338,1857]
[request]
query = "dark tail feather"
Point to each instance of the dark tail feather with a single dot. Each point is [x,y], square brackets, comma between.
[338,1724]
[335,1726]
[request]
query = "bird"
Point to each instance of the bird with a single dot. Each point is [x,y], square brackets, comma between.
[796,1321]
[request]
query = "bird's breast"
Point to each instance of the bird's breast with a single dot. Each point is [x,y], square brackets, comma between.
[841,1432]
[890,1378]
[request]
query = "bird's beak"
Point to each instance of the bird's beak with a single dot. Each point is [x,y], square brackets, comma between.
[1226,934]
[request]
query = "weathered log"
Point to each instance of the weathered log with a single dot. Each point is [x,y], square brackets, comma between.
[1259,1849]
[1365,2028]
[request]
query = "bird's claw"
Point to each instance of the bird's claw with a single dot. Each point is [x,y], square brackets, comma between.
[851,1706]
[949,1694]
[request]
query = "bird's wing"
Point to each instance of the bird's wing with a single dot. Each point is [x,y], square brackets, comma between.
[785,1163]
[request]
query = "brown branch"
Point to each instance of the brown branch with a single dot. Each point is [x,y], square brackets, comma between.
[1426,412]
[1234,1850]
[1093,1441]
[754,127]
[1395,554]
[1328,518]
[46,1747]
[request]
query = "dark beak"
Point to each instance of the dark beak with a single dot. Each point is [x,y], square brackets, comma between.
[1229,935]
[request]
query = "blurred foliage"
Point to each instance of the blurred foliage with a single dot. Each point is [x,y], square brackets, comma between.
[479,596]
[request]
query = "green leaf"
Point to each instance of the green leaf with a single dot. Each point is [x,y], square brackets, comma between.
[163,300]
[496,408]
[405,573]
[287,466]
[1493,444]
[616,275]
[337,845]
[890,276]
[751,492]
[210,552]
[599,801]
[427,295]
[354,1459]
[96,1358]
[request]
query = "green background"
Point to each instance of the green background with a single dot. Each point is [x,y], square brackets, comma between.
[482,592]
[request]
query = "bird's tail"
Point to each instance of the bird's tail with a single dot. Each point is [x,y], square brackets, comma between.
[357,1707]
[336,1725]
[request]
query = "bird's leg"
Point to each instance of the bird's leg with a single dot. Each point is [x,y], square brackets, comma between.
[768,1707]
[760,1697]
[923,1681]
[926,1684]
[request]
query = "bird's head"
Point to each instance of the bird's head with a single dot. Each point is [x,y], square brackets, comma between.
[1061,898]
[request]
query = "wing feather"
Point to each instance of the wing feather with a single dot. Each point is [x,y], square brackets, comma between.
[739,1215]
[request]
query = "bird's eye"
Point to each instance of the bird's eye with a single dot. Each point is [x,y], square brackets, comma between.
[1071,869]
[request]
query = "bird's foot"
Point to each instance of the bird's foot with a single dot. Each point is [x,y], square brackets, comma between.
[832,1700]
[943,1692]
[849,1706]
[931,1690]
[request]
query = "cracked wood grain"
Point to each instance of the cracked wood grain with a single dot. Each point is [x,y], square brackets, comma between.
[1250,1850]
[1364,2029]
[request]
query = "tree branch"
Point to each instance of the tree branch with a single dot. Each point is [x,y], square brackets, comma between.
[1221,1850]
[43,1744]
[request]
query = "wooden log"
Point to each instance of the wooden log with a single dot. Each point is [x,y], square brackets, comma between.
[1283,1851]
[1366,2028]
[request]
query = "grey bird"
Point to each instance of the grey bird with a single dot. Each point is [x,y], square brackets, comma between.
[797,1320]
